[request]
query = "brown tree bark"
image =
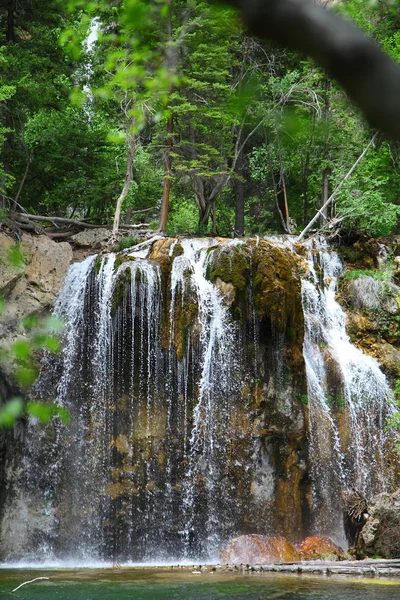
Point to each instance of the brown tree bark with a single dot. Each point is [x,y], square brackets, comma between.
[128,181]
[239,198]
[167,176]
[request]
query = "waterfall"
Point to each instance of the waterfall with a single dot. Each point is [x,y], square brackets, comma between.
[346,391]
[186,421]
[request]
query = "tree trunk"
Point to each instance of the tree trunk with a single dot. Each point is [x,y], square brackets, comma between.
[214,218]
[127,184]
[167,177]
[10,33]
[325,196]
[239,199]
[285,202]
[275,188]
[23,180]
[171,61]
[305,188]
[326,171]
[204,214]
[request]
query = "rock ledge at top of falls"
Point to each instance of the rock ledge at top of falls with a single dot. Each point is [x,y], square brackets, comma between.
[32,287]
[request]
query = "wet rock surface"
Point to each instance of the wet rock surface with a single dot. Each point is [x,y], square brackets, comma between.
[259,549]
[380,536]
[315,547]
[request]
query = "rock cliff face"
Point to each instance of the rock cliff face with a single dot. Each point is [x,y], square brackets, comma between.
[209,398]
[32,287]
[380,536]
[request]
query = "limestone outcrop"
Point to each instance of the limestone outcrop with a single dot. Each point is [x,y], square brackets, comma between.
[380,536]
[31,287]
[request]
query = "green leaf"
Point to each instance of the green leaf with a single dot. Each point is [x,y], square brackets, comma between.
[53,324]
[44,412]
[30,322]
[26,376]
[52,344]
[11,411]
[22,350]
[15,257]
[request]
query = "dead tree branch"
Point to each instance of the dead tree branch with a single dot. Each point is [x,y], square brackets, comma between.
[332,196]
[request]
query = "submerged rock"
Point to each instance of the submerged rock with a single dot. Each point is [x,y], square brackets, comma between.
[258,549]
[315,547]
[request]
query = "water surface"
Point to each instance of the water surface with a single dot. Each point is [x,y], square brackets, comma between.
[154,584]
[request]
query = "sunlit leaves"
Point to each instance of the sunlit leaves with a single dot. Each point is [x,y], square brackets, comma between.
[15,257]
[11,411]
[45,412]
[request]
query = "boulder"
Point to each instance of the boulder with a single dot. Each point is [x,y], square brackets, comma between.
[315,547]
[33,287]
[258,549]
[95,239]
[380,535]
[9,274]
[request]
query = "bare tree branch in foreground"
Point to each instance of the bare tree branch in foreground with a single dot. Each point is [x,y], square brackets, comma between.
[368,75]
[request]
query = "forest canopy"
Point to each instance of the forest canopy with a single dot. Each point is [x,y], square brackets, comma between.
[192,122]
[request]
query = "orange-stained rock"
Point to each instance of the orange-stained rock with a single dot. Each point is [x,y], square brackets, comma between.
[258,549]
[319,547]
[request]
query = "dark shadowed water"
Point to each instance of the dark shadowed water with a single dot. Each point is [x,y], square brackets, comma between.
[153,584]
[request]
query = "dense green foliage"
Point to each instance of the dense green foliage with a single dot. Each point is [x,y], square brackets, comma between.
[249,138]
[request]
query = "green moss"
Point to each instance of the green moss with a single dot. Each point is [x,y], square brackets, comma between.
[290,334]
[121,259]
[232,267]
[177,251]
[351,254]
[120,290]
[185,315]
[97,263]
[127,241]
[356,274]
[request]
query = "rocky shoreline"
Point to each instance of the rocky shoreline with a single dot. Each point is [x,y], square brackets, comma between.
[368,567]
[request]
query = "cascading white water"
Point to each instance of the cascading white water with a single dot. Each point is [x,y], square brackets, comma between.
[343,385]
[210,421]
[186,423]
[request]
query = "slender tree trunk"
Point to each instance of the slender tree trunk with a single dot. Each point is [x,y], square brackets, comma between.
[239,199]
[167,177]
[171,61]
[205,214]
[10,33]
[214,217]
[21,185]
[325,196]
[326,171]
[285,202]
[305,188]
[127,184]
[275,188]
